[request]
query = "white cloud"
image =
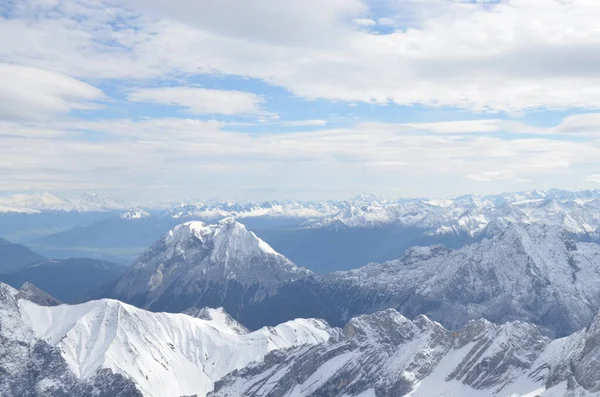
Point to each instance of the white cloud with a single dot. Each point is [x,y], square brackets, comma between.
[313,49]
[384,21]
[365,22]
[479,56]
[587,124]
[593,178]
[282,22]
[303,123]
[30,93]
[201,100]
[176,151]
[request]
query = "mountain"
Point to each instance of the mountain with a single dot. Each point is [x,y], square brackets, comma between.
[32,367]
[385,354]
[197,265]
[15,256]
[69,280]
[535,273]
[26,227]
[123,236]
[342,234]
[32,293]
[151,354]
[38,202]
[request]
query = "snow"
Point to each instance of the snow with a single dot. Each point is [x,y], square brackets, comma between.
[46,201]
[136,214]
[164,354]
[202,252]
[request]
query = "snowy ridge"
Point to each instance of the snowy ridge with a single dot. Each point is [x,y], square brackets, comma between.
[534,273]
[31,367]
[385,354]
[164,354]
[135,213]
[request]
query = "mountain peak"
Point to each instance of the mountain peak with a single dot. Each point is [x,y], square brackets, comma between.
[33,294]
[227,239]
[204,263]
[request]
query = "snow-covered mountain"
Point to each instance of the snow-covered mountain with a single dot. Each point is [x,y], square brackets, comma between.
[196,265]
[385,354]
[158,354]
[30,366]
[535,273]
[39,202]
[343,234]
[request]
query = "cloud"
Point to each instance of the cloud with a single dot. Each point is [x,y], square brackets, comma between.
[176,152]
[282,22]
[30,93]
[365,22]
[587,124]
[593,178]
[485,57]
[315,50]
[201,100]
[303,123]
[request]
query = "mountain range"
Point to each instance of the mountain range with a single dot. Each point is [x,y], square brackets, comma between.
[385,354]
[107,348]
[535,273]
[494,296]
[342,234]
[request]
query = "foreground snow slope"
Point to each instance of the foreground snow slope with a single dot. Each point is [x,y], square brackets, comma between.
[164,354]
[31,367]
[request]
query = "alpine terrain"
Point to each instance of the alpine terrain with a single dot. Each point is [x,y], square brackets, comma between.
[107,348]
[197,265]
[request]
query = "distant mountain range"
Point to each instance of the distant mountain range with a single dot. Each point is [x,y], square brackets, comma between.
[342,234]
[39,202]
[69,280]
[14,257]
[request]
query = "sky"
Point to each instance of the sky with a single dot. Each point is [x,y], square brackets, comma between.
[311,99]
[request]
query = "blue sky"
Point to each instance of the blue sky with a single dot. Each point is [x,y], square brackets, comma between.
[302,100]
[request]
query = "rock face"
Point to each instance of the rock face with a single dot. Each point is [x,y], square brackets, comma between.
[197,265]
[385,354]
[34,294]
[532,273]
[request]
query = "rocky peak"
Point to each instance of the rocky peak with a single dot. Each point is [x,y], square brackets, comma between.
[33,294]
